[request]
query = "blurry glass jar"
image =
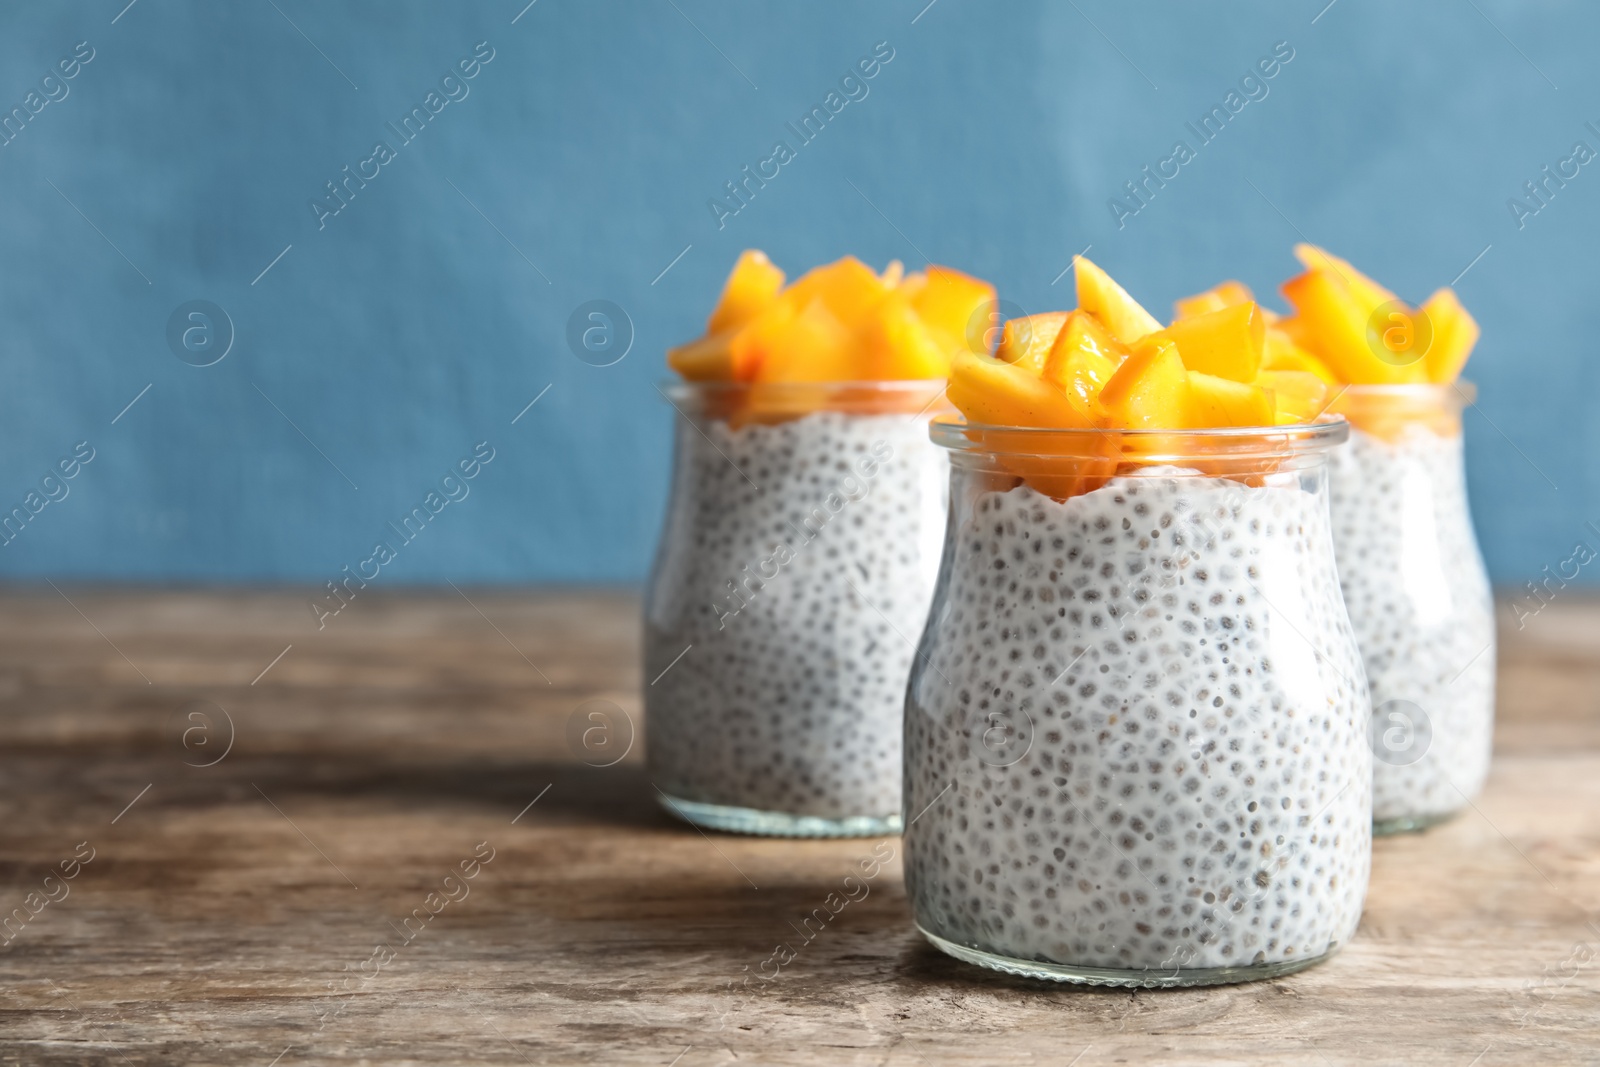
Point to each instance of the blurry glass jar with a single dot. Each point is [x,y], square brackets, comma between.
[1136,729]
[1419,598]
[794,571]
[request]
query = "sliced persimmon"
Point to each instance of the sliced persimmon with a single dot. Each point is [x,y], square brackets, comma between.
[1283,354]
[1455,332]
[1082,359]
[1123,316]
[847,287]
[752,286]
[1368,293]
[1332,323]
[1297,395]
[1026,341]
[1227,342]
[1215,401]
[812,346]
[1224,294]
[897,345]
[705,359]
[987,390]
[954,305]
[1150,390]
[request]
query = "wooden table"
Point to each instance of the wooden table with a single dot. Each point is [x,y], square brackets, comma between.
[230,913]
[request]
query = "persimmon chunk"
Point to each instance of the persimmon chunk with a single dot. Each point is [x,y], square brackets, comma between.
[1298,394]
[839,322]
[899,345]
[1283,354]
[847,287]
[1082,359]
[1109,302]
[1216,401]
[995,393]
[1225,294]
[1025,342]
[1149,391]
[705,359]
[1227,343]
[956,306]
[812,346]
[1333,325]
[751,287]
[1368,293]
[1454,334]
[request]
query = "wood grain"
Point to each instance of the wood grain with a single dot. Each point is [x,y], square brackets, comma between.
[227,910]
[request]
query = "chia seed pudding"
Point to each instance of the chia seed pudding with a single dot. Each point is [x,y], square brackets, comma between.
[1136,735]
[794,573]
[1421,604]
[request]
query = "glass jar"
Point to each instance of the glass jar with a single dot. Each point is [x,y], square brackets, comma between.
[1418,596]
[1136,729]
[794,571]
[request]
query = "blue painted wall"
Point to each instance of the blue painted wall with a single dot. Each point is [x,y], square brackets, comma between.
[577,164]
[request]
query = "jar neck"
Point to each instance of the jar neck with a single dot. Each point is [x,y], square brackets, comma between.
[1064,463]
[1393,411]
[741,403]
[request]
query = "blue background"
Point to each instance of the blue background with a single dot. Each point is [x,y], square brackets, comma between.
[415,324]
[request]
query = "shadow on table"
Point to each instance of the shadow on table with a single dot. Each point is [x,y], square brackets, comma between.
[741,900]
[564,793]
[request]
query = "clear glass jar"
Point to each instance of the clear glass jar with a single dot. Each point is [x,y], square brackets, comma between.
[1419,597]
[794,571]
[1136,729]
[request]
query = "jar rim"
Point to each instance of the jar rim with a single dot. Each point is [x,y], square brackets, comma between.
[679,389]
[1462,389]
[1148,446]
[767,401]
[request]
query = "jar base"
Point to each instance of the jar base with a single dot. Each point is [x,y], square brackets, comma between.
[736,820]
[1149,978]
[1410,824]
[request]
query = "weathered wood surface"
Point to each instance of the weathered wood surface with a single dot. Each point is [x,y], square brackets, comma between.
[227,910]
